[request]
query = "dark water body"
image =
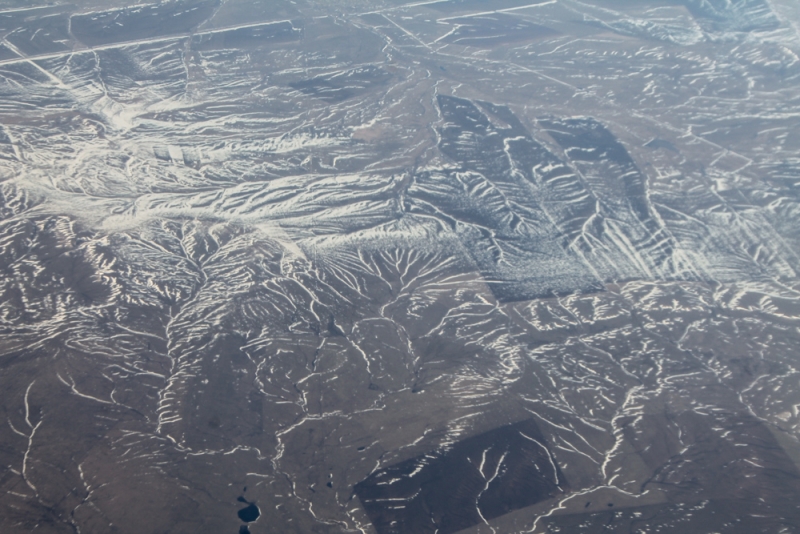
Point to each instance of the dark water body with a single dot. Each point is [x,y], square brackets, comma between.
[250,513]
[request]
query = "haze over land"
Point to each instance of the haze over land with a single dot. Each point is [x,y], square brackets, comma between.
[383,267]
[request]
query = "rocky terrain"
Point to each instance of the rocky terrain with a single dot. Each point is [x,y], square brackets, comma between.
[400,267]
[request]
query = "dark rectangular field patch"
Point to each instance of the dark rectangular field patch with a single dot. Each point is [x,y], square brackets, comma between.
[479,478]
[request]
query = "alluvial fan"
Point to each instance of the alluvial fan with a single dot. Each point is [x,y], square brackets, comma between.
[328,266]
